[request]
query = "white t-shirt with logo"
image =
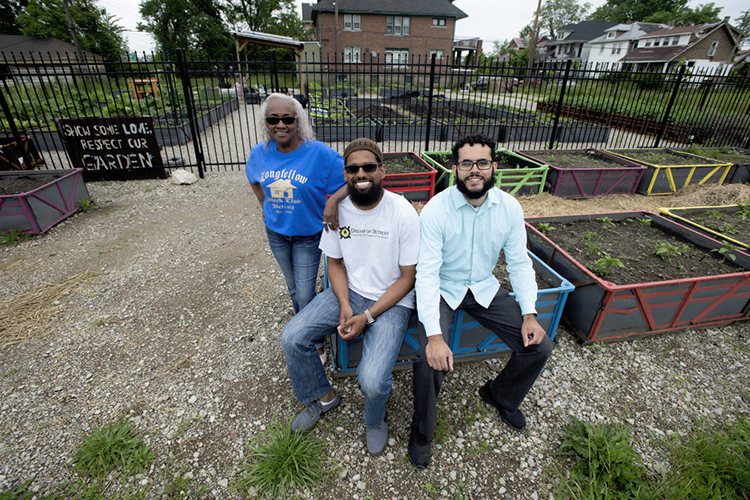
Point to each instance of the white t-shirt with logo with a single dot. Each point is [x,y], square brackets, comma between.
[374,243]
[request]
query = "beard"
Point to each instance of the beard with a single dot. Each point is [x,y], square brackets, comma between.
[366,198]
[473,195]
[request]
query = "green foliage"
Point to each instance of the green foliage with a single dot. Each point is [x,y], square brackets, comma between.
[544,227]
[607,221]
[710,463]
[85,205]
[112,446]
[675,12]
[603,267]
[666,250]
[13,237]
[606,465]
[715,214]
[281,462]
[726,251]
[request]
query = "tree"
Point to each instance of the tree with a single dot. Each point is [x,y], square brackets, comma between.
[673,12]
[742,23]
[278,17]
[195,26]
[9,12]
[557,13]
[97,31]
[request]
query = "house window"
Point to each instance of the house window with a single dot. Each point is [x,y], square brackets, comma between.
[712,49]
[656,42]
[601,49]
[396,56]
[439,54]
[397,25]
[648,43]
[438,21]
[352,22]
[352,55]
[675,40]
[617,49]
[611,34]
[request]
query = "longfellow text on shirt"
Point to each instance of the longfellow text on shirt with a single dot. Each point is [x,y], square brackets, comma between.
[292,175]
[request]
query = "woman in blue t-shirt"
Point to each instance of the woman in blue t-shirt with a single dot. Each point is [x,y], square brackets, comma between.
[292,175]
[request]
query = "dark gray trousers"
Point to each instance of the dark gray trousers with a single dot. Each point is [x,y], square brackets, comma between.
[504,319]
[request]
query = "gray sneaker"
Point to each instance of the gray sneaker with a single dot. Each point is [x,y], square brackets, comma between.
[312,413]
[377,437]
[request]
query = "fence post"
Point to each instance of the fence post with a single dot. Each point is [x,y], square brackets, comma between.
[275,72]
[429,102]
[663,125]
[187,90]
[558,111]
[27,159]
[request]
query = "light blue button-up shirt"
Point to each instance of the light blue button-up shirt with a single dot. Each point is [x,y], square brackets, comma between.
[460,247]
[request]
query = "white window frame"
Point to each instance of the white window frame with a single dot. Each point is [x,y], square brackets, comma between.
[397,25]
[352,55]
[440,53]
[675,40]
[648,43]
[397,57]
[712,49]
[657,42]
[439,22]
[352,22]
[611,34]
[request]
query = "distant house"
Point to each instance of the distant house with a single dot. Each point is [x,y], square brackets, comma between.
[609,49]
[17,50]
[705,47]
[573,40]
[392,30]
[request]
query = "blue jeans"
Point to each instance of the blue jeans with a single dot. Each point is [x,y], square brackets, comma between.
[381,345]
[299,260]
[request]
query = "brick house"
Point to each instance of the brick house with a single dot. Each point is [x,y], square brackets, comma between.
[705,47]
[391,31]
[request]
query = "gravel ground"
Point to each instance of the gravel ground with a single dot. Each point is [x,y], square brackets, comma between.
[175,326]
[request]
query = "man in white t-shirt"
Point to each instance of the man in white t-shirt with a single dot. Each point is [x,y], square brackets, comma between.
[373,296]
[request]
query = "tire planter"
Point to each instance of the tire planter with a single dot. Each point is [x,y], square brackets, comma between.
[528,176]
[609,174]
[37,210]
[598,310]
[682,215]
[419,186]
[668,179]
[470,340]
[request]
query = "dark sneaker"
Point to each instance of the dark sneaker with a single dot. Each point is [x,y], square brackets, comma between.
[514,419]
[377,437]
[312,413]
[419,454]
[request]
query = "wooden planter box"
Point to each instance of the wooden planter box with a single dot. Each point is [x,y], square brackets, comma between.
[37,210]
[668,179]
[528,176]
[470,340]
[418,186]
[344,130]
[11,153]
[598,310]
[608,174]
[739,173]
[683,216]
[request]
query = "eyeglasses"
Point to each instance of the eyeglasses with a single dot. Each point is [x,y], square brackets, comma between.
[286,120]
[367,167]
[482,164]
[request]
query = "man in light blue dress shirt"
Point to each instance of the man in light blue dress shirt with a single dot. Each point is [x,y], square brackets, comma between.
[463,229]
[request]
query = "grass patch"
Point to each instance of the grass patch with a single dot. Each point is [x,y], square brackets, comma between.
[280,462]
[13,237]
[110,447]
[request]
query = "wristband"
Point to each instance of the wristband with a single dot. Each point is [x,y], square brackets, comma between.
[370,319]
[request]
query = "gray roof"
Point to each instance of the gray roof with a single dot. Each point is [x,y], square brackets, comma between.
[584,31]
[26,46]
[430,8]
[307,12]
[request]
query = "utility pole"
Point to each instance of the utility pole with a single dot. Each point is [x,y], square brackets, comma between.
[72,29]
[534,36]
[336,30]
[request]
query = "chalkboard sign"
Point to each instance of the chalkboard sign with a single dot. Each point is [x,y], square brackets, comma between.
[117,143]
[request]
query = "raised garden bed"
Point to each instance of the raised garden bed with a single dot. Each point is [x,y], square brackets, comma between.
[34,201]
[582,173]
[670,170]
[739,158]
[345,130]
[409,175]
[638,273]
[728,223]
[515,174]
[470,340]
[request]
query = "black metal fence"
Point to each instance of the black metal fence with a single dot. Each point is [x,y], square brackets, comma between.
[204,113]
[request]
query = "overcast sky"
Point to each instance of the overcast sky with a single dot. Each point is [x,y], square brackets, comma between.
[490,20]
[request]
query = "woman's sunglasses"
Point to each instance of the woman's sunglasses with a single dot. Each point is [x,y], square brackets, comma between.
[367,167]
[286,120]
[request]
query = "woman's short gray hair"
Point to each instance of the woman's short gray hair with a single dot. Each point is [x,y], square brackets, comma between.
[303,122]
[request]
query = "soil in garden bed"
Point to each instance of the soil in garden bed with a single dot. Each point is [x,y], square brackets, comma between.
[723,155]
[377,112]
[663,158]
[576,159]
[403,165]
[504,278]
[23,184]
[733,223]
[647,253]
[444,112]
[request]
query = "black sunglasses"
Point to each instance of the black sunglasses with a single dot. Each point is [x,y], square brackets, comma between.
[367,167]
[286,120]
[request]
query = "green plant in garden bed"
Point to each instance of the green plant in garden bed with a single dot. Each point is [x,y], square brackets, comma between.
[403,165]
[603,267]
[666,251]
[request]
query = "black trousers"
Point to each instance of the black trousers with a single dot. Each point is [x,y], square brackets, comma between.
[503,318]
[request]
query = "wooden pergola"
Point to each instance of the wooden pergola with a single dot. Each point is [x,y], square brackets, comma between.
[243,39]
